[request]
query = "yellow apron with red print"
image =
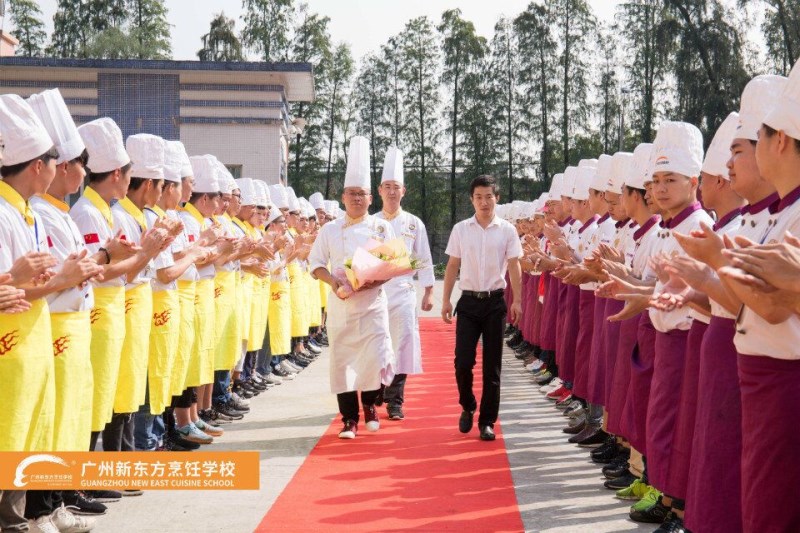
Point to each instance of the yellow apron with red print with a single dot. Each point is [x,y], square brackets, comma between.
[164,333]
[72,339]
[297,287]
[323,294]
[27,380]
[108,334]
[132,382]
[201,365]
[244,301]
[280,318]
[314,302]
[227,331]
[184,351]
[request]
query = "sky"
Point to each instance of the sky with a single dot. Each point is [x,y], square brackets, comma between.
[364,24]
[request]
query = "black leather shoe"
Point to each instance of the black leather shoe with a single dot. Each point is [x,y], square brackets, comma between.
[465,422]
[622,482]
[606,452]
[672,524]
[487,433]
[615,470]
[587,431]
[655,514]
[594,440]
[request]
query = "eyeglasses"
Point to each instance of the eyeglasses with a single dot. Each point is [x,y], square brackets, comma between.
[234,195]
[353,194]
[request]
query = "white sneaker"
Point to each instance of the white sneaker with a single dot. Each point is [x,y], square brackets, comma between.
[273,379]
[287,367]
[238,400]
[550,387]
[293,366]
[43,524]
[534,366]
[67,522]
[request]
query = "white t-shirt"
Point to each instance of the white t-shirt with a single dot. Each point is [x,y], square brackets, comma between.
[17,238]
[484,253]
[96,231]
[164,259]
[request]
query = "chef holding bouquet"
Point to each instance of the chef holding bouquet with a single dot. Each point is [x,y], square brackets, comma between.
[358,321]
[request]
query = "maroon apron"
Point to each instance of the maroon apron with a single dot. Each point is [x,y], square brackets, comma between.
[597,366]
[678,477]
[713,496]
[561,317]
[569,333]
[662,409]
[523,319]
[536,315]
[612,337]
[583,343]
[508,296]
[621,379]
[643,354]
[549,318]
[770,470]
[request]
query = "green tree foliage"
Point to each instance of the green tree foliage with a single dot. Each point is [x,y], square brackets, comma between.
[70,30]
[781,29]
[333,97]
[221,42]
[149,29]
[28,27]
[267,27]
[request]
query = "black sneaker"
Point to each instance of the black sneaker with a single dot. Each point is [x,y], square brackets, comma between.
[226,413]
[175,438]
[379,397]
[104,496]
[395,411]
[672,524]
[132,492]
[241,391]
[297,361]
[77,502]
[620,482]
[279,372]
[212,417]
[465,422]
[655,514]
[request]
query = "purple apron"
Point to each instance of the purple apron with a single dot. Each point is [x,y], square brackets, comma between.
[634,416]
[583,344]
[611,338]
[715,477]
[598,365]
[561,309]
[662,409]
[523,321]
[678,477]
[536,315]
[569,333]
[549,318]
[507,296]
[770,470]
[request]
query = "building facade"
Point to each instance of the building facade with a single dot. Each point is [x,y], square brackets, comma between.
[237,111]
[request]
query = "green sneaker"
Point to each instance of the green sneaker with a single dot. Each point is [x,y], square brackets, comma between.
[634,491]
[648,500]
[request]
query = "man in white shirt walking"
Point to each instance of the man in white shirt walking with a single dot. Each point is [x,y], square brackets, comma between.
[483,247]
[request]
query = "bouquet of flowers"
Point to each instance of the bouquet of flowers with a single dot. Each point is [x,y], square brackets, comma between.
[375,261]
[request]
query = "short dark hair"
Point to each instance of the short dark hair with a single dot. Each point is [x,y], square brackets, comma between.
[83,158]
[12,170]
[97,177]
[484,180]
[197,195]
[772,131]
[632,190]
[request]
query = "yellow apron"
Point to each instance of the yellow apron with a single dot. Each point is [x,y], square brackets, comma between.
[164,333]
[132,383]
[72,338]
[108,334]
[227,331]
[254,342]
[314,302]
[27,380]
[201,365]
[323,294]
[280,317]
[244,301]
[298,292]
[184,352]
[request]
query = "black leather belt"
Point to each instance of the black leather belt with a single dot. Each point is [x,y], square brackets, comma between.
[482,295]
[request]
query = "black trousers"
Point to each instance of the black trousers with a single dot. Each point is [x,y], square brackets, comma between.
[394,394]
[41,503]
[118,434]
[480,318]
[348,403]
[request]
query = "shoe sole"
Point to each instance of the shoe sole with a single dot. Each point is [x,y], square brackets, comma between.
[396,418]
[347,436]
[73,510]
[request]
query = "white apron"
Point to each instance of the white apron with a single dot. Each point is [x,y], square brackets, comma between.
[358,328]
[404,325]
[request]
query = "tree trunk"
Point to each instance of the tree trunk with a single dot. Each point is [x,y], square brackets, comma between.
[330,141]
[298,150]
[565,99]
[453,146]
[509,111]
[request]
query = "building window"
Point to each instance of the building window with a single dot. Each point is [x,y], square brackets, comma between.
[236,170]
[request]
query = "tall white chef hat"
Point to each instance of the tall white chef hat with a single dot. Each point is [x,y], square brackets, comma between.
[248,191]
[785,114]
[719,151]
[51,109]
[583,180]
[147,156]
[103,140]
[23,134]
[357,174]
[570,176]
[317,201]
[176,161]
[556,185]
[294,204]
[279,196]
[587,163]
[263,197]
[620,162]
[639,167]
[678,147]
[758,98]
[393,166]
[205,174]
[603,173]
[330,207]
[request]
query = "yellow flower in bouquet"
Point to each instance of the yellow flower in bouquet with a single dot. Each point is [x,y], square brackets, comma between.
[379,261]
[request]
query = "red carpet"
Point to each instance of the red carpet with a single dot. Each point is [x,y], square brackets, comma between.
[419,474]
